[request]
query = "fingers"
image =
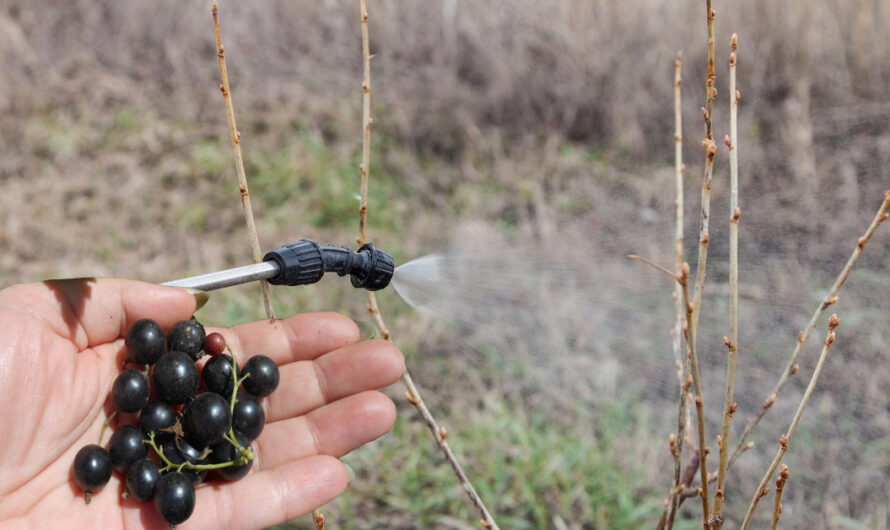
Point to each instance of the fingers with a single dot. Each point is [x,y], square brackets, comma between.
[307,385]
[93,311]
[269,497]
[299,337]
[333,429]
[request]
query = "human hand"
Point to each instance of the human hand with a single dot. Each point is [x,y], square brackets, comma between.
[61,347]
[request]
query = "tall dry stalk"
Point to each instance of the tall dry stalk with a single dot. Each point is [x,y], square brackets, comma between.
[732,342]
[413,395]
[785,439]
[239,162]
[792,367]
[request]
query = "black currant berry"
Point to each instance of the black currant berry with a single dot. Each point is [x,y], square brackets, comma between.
[214,344]
[156,415]
[142,479]
[175,377]
[217,376]
[130,391]
[187,336]
[175,497]
[126,447]
[180,452]
[206,419]
[92,469]
[226,452]
[145,342]
[263,375]
[248,416]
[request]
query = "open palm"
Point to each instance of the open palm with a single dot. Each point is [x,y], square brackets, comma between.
[61,346]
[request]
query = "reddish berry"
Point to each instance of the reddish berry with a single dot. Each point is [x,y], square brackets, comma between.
[214,344]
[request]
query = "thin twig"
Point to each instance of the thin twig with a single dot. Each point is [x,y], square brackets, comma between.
[693,307]
[412,394]
[239,162]
[829,300]
[699,401]
[659,268]
[710,153]
[682,361]
[780,487]
[785,439]
[732,343]
[685,491]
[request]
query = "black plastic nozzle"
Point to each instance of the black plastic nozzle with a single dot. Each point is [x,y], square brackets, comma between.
[305,261]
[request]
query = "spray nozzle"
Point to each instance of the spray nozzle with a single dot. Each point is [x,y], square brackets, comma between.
[305,261]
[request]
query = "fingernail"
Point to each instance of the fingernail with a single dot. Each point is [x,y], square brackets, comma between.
[366,330]
[201,297]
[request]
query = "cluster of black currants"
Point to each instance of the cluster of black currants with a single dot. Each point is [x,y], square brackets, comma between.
[183,432]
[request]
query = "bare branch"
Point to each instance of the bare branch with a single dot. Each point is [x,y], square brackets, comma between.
[785,439]
[830,299]
[780,487]
[732,342]
[412,395]
[682,361]
[239,162]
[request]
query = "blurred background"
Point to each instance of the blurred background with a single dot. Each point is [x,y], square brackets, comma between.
[531,144]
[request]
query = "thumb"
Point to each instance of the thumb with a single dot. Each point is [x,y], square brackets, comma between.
[93,311]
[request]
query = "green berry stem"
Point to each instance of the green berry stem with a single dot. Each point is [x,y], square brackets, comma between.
[105,426]
[234,398]
[246,456]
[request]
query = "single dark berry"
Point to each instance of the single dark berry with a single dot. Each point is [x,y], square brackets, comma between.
[175,377]
[126,447]
[206,419]
[142,479]
[130,391]
[248,416]
[217,376]
[214,344]
[145,342]
[92,469]
[175,497]
[180,451]
[156,415]
[263,378]
[187,336]
[225,451]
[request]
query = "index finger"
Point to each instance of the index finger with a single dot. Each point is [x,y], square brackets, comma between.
[296,338]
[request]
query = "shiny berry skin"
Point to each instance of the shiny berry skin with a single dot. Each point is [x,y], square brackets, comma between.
[156,415]
[217,376]
[175,497]
[145,342]
[175,377]
[187,336]
[248,416]
[142,479]
[214,344]
[179,452]
[263,378]
[126,447]
[130,391]
[92,468]
[226,452]
[206,419]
